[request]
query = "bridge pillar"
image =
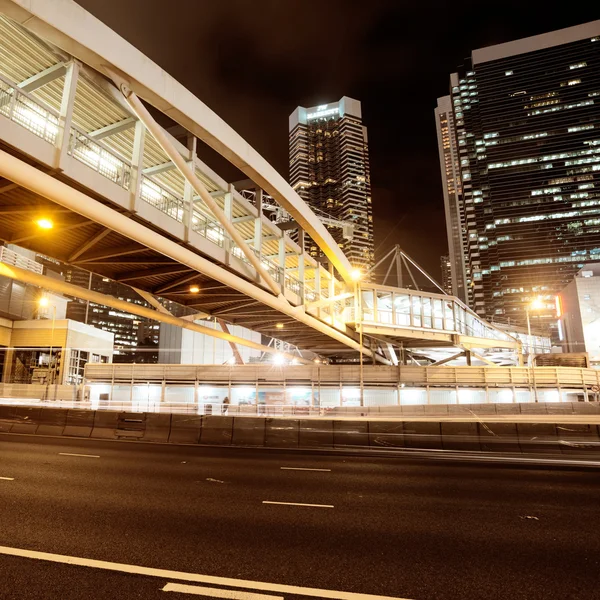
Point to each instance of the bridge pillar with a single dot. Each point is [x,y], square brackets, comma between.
[137,165]
[66,114]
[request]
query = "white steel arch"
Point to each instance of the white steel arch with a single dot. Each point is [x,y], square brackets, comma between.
[76,31]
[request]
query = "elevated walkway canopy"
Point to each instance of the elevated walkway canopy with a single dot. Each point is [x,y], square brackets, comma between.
[135,205]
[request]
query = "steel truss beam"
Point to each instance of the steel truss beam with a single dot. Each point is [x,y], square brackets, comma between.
[43,77]
[100,235]
[141,273]
[111,253]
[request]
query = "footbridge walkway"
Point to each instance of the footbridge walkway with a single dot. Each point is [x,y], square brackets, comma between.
[102,142]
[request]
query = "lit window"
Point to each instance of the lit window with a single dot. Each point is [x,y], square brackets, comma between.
[508,72]
[578,65]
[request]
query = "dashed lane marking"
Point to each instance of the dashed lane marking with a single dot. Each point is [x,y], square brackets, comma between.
[216,593]
[299,504]
[304,469]
[192,577]
[7,478]
[82,455]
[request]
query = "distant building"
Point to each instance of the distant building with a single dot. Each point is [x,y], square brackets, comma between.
[50,350]
[450,168]
[519,139]
[136,338]
[186,347]
[446,266]
[579,304]
[329,168]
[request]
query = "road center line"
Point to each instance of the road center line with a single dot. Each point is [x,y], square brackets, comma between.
[304,469]
[7,478]
[194,577]
[84,455]
[299,504]
[216,593]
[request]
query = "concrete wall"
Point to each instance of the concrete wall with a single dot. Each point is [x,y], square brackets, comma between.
[554,437]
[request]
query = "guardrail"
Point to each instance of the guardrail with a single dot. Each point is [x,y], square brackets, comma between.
[375,376]
[26,111]
[554,437]
[10,257]
[99,158]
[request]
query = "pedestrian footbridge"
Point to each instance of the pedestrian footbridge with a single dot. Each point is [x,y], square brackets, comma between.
[102,142]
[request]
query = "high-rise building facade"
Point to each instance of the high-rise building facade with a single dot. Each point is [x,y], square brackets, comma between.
[329,168]
[520,150]
[446,268]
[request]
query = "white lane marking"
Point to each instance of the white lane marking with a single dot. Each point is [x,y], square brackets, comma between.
[84,455]
[7,478]
[299,504]
[196,578]
[215,593]
[304,469]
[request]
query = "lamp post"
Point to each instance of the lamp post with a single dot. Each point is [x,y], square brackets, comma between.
[537,304]
[44,302]
[356,275]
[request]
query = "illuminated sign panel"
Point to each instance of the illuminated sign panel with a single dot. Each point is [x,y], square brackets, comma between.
[323,111]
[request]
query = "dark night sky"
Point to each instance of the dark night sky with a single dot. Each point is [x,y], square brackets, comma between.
[254,61]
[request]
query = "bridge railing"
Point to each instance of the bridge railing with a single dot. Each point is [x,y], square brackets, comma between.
[99,158]
[401,308]
[26,111]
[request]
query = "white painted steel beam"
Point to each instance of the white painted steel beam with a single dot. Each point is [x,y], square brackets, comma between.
[68,289]
[151,300]
[157,169]
[112,129]
[43,77]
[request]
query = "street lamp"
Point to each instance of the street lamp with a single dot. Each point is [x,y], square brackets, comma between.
[44,302]
[536,304]
[44,223]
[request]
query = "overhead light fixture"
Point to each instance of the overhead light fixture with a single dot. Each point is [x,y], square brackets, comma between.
[355,274]
[45,223]
[43,301]
[279,325]
[279,360]
[194,289]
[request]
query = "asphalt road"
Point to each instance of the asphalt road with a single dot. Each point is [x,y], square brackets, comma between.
[389,526]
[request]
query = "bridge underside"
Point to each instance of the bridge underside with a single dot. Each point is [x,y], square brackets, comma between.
[85,244]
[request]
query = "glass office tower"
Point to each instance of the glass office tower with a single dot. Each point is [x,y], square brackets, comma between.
[329,168]
[526,127]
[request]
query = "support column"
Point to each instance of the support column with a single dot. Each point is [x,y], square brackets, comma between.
[301,273]
[137,166]
[66,114]
[228,210]
[317,286]
[258,223]
[188,190]
[282,262]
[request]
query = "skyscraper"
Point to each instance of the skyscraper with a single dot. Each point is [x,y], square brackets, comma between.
[519,141]
[446,267]
[329,168]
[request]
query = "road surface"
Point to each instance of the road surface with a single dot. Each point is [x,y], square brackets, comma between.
[175,522]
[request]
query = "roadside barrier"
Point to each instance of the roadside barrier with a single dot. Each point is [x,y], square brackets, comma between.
[185,429]
[79,422]
[483,435]
[281,433]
